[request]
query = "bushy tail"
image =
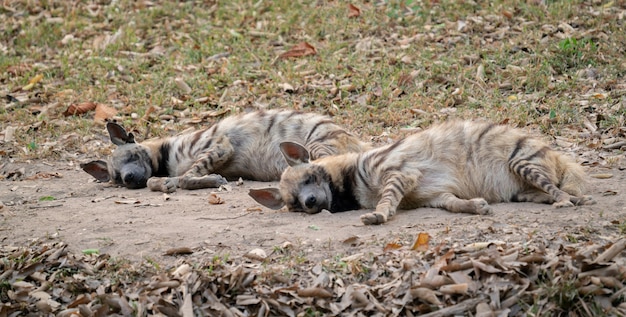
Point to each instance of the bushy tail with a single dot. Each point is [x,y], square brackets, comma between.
[573,178]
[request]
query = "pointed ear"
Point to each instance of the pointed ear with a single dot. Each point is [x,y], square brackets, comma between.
[97,169]
[268,197]
[294,153]
[118,134]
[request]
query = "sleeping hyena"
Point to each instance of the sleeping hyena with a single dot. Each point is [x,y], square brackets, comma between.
[245,146]
[460,166]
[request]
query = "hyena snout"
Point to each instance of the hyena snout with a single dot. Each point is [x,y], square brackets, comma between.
[310,201]
[133,177]
[313,199]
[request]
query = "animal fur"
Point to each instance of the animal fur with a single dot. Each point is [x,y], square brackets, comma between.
[460,166]
[245,146]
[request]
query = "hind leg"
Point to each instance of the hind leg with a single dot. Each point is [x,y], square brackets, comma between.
[537,196]
[536,176]
[452,203]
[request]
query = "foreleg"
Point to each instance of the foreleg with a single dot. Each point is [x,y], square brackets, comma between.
[396,185]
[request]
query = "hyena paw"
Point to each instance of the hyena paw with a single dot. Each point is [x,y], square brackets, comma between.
[563,204]
[586,200]
[373,218]
[481,207]
[198,182]
[163,184]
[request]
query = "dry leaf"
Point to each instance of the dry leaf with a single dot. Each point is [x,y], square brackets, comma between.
[317,292]
[507,14]
[392,246]
[104,112]
[44,175]
[602,175]
[421,243]
[179,251]
[150,110]
[128,202]
[80,108]
[302,49]
[353,11]
[17,70]
[256,254]
[182,85]
[33,82]
[214,199]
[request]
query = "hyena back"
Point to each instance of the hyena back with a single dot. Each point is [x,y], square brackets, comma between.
[245,146]
[460,166]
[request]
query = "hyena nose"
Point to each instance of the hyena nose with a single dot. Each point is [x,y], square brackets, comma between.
[310,201]
[129,178]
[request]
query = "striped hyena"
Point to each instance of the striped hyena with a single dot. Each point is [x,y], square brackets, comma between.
[245,145]
[460,166]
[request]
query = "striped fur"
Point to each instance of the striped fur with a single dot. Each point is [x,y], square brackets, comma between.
[460,166]
[245,146]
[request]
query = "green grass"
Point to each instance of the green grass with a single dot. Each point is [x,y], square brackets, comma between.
[529,53]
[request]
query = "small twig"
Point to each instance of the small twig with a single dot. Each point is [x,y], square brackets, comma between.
[48,206]
[611,252]
[224,218]
[615,145]
[617,294]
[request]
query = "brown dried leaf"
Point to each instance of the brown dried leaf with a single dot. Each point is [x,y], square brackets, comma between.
[44,175]
[427,295]
[214,199]
[317,292]
[454,288]
[353,11]
[391,246]
[104,112]
[302,49]
[81,108]
[179,251]
[508,14]
[421,243]
[17,70]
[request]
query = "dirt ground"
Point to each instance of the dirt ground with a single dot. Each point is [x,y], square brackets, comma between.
[139,224]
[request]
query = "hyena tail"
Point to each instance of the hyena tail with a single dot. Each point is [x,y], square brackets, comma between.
[555,174]
[573,179]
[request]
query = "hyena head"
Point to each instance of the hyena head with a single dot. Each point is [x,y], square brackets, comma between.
[129,166]
[304,187]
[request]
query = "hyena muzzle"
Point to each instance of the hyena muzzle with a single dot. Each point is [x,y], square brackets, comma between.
[460,166]
[242,146]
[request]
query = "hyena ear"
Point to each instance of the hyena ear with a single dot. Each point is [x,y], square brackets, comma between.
[268,197]
[118,134]
[294,153]
[97,169]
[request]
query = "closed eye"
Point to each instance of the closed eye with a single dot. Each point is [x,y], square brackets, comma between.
[310,180]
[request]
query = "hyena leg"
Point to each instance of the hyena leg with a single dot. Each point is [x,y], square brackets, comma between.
[537,196]
[538,178]
[200,175]
[450,202]
[395,186]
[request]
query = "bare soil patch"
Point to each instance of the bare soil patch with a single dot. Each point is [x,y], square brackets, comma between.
[139,224]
